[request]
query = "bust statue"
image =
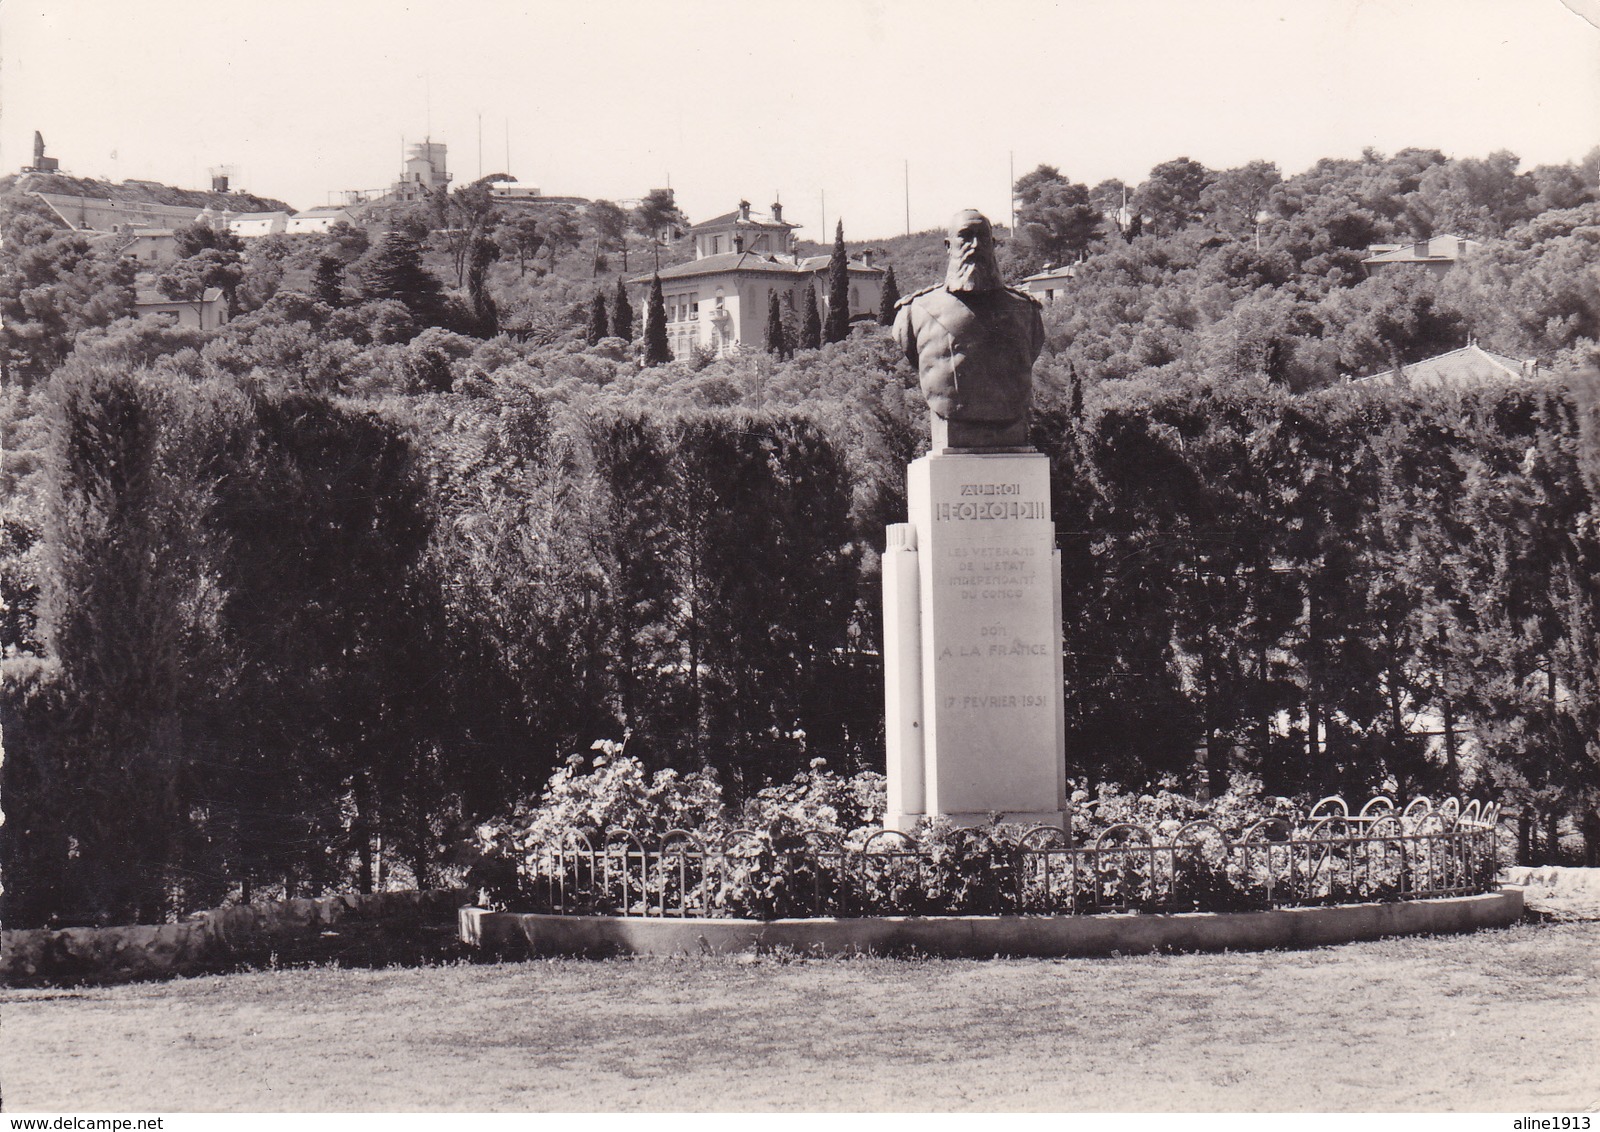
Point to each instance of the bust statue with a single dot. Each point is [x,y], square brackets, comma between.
[973,341]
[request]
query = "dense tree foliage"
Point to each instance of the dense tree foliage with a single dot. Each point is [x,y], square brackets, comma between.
[52,286]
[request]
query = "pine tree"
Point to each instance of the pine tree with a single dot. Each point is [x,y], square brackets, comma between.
[656,350]
[622,313]
[837,328]
[395,271]
[598,328]
[891,296]
[328,286]
[777,341]
[811,332]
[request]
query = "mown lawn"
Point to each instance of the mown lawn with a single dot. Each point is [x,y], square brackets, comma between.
[1502,1020]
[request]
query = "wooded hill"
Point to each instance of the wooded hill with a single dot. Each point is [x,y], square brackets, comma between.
[149,192]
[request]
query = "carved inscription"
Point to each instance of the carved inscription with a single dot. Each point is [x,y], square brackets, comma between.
[991,573]
[1005,509]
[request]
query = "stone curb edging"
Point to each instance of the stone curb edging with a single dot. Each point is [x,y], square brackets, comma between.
[512,934]
[316,929]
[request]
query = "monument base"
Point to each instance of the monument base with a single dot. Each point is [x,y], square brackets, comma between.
[978,436]
[972,646]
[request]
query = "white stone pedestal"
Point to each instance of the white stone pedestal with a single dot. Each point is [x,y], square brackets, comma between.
[972,644]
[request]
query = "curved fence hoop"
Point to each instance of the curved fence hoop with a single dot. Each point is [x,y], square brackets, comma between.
[1249,835]
[674,836]
[821,839]
[1377,823]
[908,841]
[1434,822]
[1422,802]
[1180,839]
[1036,837]
[579,841]
[728,840]
[1321,830]
[1379,800]
[1471,813]
[1316,811]
[1451,809]
[629,842]
[1149,838]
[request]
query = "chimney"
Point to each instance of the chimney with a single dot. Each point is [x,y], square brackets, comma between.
[1461,246]
[744,210]
[866,257]
[777,212]
[1421,249]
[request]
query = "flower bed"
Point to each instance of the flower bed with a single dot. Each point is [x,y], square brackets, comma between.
[1326,856]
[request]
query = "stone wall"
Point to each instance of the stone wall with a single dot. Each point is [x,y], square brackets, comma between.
[372,930]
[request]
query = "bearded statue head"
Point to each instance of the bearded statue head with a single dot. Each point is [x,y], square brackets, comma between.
[972,265]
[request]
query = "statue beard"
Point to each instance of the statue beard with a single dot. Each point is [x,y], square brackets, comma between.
[976,272]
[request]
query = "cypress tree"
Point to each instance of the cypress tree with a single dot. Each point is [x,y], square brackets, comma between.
[891,296]
[485,313]
[811,332]
[837,328]
[598,328]
[656,350]
[791,321]
[1074,394]
[777,341]
[622,313]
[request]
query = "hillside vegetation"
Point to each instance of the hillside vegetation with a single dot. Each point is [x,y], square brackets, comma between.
[143,191]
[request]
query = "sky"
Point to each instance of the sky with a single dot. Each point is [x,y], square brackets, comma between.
[882,113]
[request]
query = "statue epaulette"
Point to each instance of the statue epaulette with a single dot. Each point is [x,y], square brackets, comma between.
[904,299]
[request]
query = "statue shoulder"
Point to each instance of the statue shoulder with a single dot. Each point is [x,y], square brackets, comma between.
[905,300]
[1028,295]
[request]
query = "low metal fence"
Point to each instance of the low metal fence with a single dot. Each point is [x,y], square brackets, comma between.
[1328,856]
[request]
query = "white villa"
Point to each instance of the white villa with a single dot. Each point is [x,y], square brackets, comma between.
[721,299]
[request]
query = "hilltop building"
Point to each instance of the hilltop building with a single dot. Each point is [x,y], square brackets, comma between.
[1459,369]
[507,191]
[1437,254]
[100,214]
[720,299]
[319,220]
[247,225]
[205,313]
[424,172]
[1049,284]
[41,163]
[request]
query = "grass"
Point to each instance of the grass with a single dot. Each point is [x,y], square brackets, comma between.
[1502,1020]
